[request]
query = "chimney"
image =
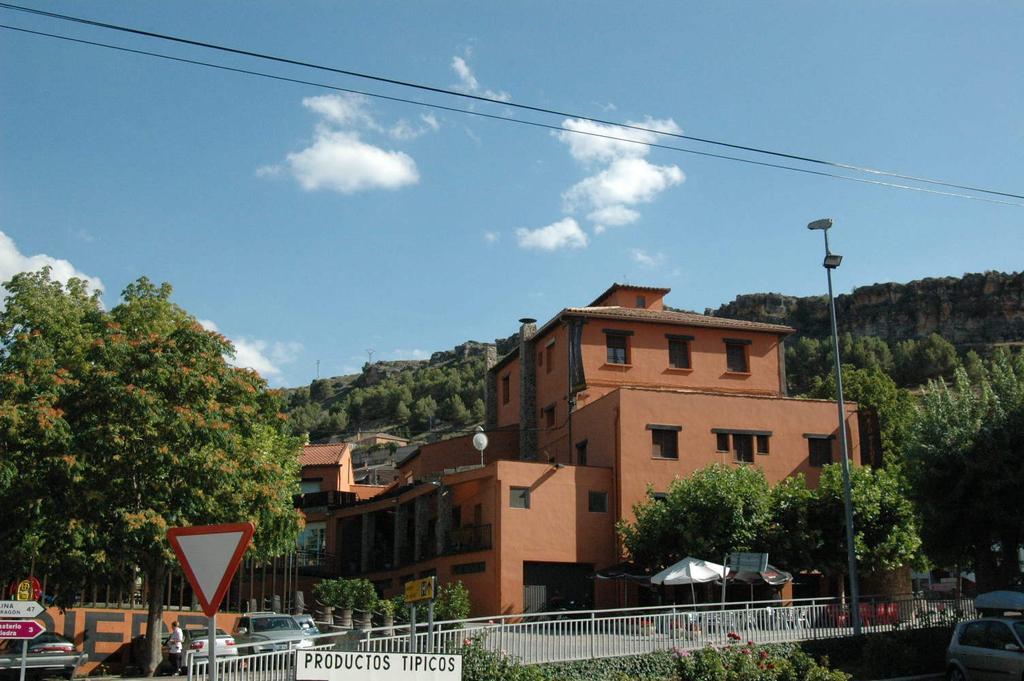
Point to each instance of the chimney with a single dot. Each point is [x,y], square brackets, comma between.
[527,390]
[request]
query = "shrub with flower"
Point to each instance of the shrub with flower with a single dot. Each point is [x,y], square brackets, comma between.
[751,662]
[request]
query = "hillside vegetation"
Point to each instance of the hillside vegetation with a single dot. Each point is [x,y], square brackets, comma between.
[912,333]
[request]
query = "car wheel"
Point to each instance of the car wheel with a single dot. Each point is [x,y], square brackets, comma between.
[955,674]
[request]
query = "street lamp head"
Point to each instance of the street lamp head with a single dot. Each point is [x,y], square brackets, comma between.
[823,223]
[832,260]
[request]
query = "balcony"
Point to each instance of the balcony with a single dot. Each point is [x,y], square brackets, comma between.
[315,563]
[323,500]
[469,538]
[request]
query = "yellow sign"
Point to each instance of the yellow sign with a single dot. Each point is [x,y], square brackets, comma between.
[25,590]
[419,590]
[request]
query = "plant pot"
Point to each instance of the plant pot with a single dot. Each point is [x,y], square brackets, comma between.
[363,619]
[343,617]
[388,622]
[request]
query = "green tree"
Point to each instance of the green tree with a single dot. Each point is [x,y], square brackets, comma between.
[112,420]
[966,470]
[423,411]
[874,389]
[452,602]
[716,510]
[885,525]
[806,360]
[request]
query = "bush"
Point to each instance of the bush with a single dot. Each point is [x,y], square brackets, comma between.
[908,652]
[452,602]
[649,667]
[481,664]
[752,662]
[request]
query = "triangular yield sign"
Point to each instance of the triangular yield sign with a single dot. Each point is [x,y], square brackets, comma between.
[209,556]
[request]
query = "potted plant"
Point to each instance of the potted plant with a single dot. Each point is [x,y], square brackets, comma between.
[363,597]
[326,593]
[387,607]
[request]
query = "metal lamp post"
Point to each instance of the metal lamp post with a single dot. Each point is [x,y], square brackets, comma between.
[831,262]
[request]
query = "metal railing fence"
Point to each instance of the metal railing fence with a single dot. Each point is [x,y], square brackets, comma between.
[534,638]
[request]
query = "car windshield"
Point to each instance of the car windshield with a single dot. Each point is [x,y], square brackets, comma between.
[274,624]
[1019,628]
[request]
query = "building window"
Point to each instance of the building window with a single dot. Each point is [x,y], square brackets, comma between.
[597,502]
[550,352]
[505,389]
[736,356]
[678,352]
[819,450]
[618,348]
[743,447]
[469,568]
[641,301]
[548,414]
[519,497]
[664,441]
[659,496]
[762,444]
[723,442]
[581,453]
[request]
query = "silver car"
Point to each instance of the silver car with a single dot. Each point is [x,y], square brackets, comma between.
[270,631]
[48,652]
[987,649]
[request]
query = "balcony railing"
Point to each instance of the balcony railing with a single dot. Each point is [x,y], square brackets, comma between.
[469,538]
[329,498]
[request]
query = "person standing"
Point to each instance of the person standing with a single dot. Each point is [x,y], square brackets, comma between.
[174,647]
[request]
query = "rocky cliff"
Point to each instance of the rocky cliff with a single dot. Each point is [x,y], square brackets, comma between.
[976,309]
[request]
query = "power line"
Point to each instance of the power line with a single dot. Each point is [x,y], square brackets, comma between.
[509,119]
[526,107]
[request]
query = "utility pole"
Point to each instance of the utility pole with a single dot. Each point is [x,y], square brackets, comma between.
[318,370]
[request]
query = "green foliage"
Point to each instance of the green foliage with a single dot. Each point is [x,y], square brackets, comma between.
[481,664]
[650,667]
[346,594]
[966,469]
[751,662]
[716,510]
[452,602]
[120,424]
[908,652]
[410,398]
[874,389]
[721,509]
[886,534]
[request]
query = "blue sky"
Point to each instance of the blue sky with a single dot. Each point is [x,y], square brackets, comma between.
[307,225]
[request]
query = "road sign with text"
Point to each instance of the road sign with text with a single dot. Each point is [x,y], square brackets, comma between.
[20,630]
[20,609]
[419,590]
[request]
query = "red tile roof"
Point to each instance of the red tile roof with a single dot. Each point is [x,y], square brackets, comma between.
[673,317]
[323,455]
[616,286]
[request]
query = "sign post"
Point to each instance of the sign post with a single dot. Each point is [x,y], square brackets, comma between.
[209,556]
[416,591]
[23,630]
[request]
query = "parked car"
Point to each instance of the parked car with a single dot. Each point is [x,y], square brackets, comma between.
[47,653]
[197,640]
[991,647]
[308,624]
[272,631]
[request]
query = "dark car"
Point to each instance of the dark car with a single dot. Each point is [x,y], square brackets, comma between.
[48,653]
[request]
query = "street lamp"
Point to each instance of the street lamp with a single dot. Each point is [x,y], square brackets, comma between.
[832,261]
[480,443]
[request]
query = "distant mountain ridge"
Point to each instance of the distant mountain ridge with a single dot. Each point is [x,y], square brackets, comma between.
[969,311]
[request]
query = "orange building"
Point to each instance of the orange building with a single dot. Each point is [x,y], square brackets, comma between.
[591,408]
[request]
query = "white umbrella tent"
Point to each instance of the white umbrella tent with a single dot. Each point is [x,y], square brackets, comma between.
[690,571]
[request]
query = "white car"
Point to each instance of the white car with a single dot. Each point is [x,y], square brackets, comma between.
[198,641]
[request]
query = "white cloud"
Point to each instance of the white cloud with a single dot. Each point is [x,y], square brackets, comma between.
[340,161]
[646,259]
[624,177]
[346,109]
[259,355]
[470,85]
[562,234]
[590,142]
[12,261]
[613,216]
[626,181]
[492,237]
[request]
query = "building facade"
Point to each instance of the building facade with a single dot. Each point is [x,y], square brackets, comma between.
[591,409]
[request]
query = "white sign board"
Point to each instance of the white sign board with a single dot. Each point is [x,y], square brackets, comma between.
[326,665]
[748,562]
[20,609]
